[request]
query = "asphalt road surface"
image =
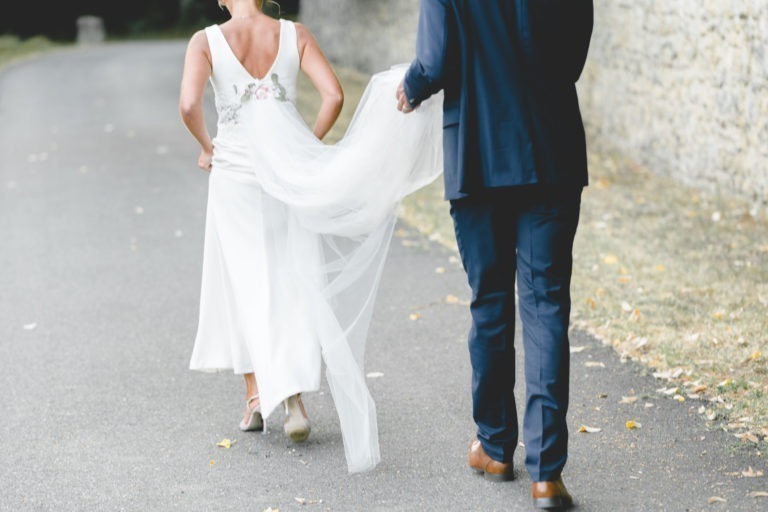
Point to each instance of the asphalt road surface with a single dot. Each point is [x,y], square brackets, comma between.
[101,233]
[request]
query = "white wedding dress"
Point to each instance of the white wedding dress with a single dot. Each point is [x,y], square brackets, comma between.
[297,233]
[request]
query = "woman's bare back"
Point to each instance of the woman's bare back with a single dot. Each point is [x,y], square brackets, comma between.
[255,42]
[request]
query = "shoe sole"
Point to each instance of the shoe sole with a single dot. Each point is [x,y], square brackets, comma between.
[495,477]
[298,436]
[552,503]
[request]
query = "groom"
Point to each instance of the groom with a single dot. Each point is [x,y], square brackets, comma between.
[515,166]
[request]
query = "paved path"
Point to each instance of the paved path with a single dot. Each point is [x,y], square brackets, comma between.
[101,222]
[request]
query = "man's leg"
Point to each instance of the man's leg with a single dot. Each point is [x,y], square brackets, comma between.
[485,231]
[546,226]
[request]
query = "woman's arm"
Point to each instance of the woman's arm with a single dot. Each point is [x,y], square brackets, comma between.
[319,71]
[197,71]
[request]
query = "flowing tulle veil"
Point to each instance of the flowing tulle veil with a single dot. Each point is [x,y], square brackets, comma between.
[341,201]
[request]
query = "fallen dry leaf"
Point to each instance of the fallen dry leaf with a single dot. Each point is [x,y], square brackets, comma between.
[451,299]
[758,494]
[374,375]
[747,436]
[633,425]
[414,316]
[716,499]
[225,443]
[629,399]
[594,364]
[699,389]
[576,350]
[669,391]
[305,501]
[440,270]
[679,398]
[669,374]
[584,429]
[611,259]
[751,473]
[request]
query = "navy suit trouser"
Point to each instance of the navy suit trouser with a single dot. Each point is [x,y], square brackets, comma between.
[525,232]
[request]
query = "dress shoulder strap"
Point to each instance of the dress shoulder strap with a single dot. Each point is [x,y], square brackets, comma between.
[289,43]
[294,36]
[213,34]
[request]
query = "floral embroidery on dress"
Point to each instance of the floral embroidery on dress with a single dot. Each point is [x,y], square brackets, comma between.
[262,91]
[229,113]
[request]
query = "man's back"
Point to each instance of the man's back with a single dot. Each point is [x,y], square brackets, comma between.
[508,68]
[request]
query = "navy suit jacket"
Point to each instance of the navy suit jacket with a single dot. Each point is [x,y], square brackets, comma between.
[508,69]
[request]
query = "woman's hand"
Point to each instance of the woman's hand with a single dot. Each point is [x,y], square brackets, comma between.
[204,162]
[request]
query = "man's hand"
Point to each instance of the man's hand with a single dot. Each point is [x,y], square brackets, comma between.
[403,105]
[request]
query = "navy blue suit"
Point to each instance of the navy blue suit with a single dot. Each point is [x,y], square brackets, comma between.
[515,165]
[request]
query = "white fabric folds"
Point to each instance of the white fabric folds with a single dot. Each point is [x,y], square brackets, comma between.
[341,205]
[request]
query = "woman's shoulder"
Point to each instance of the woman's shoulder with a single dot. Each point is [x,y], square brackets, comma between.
[199,39]
[303,34]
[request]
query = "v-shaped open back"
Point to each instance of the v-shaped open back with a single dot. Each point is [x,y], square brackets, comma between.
[231,79]
[240,62]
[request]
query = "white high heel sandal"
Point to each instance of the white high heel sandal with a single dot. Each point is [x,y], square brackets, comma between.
[255,421]
[296,421]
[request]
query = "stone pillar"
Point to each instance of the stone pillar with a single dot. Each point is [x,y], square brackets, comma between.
[368,35]
[90,30]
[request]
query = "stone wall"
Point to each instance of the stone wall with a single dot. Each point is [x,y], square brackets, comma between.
[681,86]
[368,35]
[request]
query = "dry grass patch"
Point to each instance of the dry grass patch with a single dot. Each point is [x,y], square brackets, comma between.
[678,280]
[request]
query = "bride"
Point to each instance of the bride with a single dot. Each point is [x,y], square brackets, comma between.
[297,231]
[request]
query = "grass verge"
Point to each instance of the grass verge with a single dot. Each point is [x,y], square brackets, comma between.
[12,48]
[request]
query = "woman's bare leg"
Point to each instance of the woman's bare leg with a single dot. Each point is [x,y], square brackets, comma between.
[251,389]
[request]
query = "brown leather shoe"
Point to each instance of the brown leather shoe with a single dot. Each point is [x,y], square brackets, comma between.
[486,466]
[551,495]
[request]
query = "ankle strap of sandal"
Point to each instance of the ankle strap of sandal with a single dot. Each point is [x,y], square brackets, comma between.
[251,399]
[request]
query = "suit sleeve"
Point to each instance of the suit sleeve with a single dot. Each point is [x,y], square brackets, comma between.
[436,30]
